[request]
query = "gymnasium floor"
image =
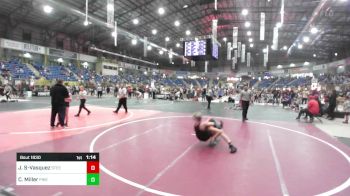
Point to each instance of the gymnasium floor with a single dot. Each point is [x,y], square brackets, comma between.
[152,150]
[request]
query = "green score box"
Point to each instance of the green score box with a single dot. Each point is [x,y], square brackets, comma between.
[93,179]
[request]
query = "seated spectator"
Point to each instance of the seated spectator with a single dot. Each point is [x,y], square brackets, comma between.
[312,109]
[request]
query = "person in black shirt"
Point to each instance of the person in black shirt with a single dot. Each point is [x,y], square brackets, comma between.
[332,105]
[58,94]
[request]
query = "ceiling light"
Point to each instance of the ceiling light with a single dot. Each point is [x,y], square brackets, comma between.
[335,54]
[285,48]
[314,30]
[167,39]
[251,45]
[178,45]
[244,12]
[279,25]
[161,11]
[172,63]
[27,55]
[154,31]
[314,55]
[306,63]
[135,21]
[86,23]
[247,24]
[177,23]
[134,41]
[60,60]
[47,9]
[224,39]
[185,6]
[149,47]
[249,33]
[161,52]
[250,39]
[188,32]
[300,46]
[279,66]
[292,65]
[110,7]
[264,50]
[306,39]
[113,34]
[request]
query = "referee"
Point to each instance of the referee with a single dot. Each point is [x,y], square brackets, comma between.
[122,99]
[246,97]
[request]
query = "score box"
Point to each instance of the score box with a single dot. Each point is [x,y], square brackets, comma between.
[58,169]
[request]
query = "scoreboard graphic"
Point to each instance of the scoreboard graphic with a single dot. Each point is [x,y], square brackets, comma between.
[58,169]
[196,48]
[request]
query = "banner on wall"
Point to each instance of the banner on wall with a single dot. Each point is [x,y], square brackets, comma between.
[21,46]
[229,51]
[248,59]
[110,13]
[239,49]
[262,26]
[62,53]
[275,39]
[235,37]
[206,66]
[243,54]
[87,58]
[215,29]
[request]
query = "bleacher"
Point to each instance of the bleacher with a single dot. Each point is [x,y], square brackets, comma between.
[18,70]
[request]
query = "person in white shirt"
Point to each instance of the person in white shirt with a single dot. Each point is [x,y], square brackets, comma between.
[82,97]
[122,99]
[99,91]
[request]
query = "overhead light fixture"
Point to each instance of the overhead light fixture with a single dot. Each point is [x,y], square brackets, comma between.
[279,25]
[161,52]
[335,54]
[113,34]
[314,55]
[86,23]
[161,11]
[178,45]
[188,32]
[47,9]
[185,6]
[306,63]
[251,45]
[292,65]
[279,66]
[244,12]
[247,24]
[285,47]
[172,63]
[134,41]
[149,47]
[300,46]
[264,50]
[154,31]
[306,39]
[60,60]
[27,55]
[249,33]
[314,30]
[224,39]
[167,39]
[250,40]
[135,21]
[177,23]
[110,7]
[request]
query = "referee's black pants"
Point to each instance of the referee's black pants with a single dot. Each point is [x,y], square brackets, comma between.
[245,106]
[122,102]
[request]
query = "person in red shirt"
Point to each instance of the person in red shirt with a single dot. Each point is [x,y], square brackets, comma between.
[313,108]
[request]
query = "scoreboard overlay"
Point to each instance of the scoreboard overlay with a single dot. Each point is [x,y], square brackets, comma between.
[58,169]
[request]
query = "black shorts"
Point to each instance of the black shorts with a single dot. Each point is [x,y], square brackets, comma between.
[204,135]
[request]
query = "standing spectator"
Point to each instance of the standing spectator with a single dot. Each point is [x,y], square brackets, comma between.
[122,100]
[58,94]
[108,90]
[346,106]
[246,97]
[209,97]
[99,91]
[332,105]
[82,97]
